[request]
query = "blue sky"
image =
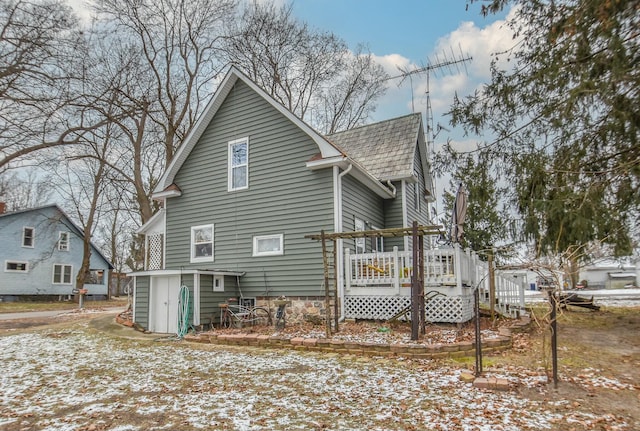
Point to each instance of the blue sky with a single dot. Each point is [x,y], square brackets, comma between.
[409,27]
[410,34]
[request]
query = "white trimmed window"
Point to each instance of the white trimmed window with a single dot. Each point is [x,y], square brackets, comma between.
[238,164]
[62,274]
[202,243]
[378,242]
[28,234]
[63,241]
[14,266]
[218,283]
[268,245]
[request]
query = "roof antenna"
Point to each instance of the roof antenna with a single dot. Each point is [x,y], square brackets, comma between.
[449,63]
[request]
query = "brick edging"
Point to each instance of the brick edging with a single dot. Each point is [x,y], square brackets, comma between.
[418,351]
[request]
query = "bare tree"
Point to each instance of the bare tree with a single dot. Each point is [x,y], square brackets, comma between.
[160,58]
[39,109]
[24,189]
[307,70]
[178,42]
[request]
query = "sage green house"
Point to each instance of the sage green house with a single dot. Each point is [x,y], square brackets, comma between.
[246,186]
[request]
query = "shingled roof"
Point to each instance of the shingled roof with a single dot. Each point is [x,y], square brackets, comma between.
[385,149]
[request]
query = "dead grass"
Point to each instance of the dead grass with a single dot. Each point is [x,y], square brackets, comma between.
[19,307]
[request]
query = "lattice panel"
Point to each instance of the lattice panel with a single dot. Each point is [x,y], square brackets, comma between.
[449,309]
[154,242]
[442,309]
[374,307]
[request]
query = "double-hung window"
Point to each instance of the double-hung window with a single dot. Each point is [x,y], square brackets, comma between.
[63,241]
[62,274]
[238,175]
[202,243]
[268,245]
[28,234]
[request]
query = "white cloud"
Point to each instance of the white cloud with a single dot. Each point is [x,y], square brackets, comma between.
[82,9]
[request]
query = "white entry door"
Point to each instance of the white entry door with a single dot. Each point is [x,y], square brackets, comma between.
[163,313]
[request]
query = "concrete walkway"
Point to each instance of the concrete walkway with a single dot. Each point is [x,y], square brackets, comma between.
[53,313]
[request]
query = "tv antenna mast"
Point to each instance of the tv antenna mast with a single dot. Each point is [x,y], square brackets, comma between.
[443,63]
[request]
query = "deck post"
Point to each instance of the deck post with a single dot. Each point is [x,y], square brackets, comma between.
[398,271]
[492,286]
[415,293]
[457,267]
[336,298]
[327,303]
[347,269]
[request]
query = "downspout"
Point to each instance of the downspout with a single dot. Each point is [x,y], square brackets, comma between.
[392,187]
[339,227]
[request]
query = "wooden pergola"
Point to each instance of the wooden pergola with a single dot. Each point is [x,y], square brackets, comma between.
[417,232]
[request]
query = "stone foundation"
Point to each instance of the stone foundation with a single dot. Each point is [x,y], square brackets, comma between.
[302,308]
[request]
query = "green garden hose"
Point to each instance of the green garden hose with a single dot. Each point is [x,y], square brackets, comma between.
[184,308]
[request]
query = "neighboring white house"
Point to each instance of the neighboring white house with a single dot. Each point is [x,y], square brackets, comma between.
[610,274]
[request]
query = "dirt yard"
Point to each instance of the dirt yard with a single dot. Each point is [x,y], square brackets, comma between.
[73,373]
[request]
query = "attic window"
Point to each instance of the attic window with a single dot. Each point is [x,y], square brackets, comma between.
[238,164]
[27,236]
[63,241]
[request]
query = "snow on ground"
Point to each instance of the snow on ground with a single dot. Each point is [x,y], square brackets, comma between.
[603,297]
[81,380]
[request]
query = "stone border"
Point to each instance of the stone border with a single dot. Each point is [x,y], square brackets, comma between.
[326,345]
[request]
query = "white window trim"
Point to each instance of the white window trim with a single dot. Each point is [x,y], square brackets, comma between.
[230,167]
[218,283]
[26,266]
[194,258]
[377,242]
[53,274]
[33,236]
[67,243]
[258,238]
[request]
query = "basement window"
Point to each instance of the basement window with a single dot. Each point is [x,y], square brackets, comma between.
[13,266]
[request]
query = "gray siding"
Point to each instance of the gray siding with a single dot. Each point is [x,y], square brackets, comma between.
[47,222]
[420,212]
[393,217]
[360,202]
[142,301]
[210,300]
[283,197]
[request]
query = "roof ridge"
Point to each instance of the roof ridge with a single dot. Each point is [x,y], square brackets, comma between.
[377,123]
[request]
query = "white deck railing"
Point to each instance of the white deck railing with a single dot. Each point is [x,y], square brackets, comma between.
[442,267]
[453,268]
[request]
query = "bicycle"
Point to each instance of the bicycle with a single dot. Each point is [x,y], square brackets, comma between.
[236,316]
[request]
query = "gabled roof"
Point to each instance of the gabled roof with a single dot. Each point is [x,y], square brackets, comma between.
[327,149]
[385,149]
[68,222]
